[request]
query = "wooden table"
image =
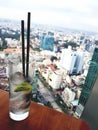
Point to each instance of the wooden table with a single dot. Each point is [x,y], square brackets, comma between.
[40,118]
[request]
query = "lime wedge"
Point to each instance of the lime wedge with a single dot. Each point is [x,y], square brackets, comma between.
[24,86]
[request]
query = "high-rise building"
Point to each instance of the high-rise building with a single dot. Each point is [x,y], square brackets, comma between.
[89,82]
[46,42]
[72,61]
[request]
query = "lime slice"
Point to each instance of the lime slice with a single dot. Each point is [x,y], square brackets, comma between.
[24,86]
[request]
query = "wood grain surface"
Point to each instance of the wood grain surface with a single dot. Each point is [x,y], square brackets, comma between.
[40,118]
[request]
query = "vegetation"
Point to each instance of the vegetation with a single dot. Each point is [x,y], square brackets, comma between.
[72,44]
[13,34]
[35,99]
[61,104]
[48,104]
[53,58]
[36,49]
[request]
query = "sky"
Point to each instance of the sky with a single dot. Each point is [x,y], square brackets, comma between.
[77,14]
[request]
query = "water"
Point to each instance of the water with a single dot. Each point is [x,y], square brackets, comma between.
[20,95]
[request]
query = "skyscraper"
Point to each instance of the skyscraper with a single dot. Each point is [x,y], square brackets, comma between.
[89,82]
[46,42]
[72,61]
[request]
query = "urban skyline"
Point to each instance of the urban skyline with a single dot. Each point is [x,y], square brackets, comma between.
[72,14]
[62,91]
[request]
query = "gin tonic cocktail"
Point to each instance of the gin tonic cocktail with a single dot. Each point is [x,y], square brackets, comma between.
[19,96]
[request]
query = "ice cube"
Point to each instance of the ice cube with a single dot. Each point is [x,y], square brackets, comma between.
[18,78]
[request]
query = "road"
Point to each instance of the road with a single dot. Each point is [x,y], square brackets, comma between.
[48,95]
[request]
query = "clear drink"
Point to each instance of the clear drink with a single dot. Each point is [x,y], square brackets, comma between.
[19,96]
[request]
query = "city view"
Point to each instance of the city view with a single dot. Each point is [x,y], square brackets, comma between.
[49,56]
[64,63]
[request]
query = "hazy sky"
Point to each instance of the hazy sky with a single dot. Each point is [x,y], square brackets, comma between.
[79,14]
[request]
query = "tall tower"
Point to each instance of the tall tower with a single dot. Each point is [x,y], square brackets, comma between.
[89,82]
[46,42]
[72,61]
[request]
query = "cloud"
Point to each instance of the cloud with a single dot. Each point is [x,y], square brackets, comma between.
[70,13]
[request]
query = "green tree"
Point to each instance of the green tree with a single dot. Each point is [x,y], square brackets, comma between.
[4,45]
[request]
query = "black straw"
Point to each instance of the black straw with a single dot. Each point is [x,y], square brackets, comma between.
[28,43]
[23,47]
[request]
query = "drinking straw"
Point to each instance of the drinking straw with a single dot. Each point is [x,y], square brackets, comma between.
[28,43]
[23,47]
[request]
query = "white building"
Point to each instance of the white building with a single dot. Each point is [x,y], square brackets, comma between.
[11,42]
[55,80]
[72,61]
[68,95]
